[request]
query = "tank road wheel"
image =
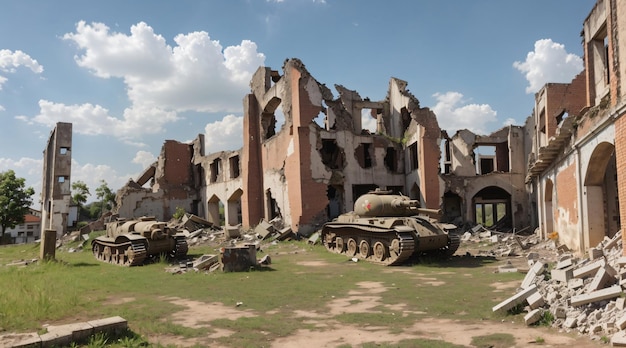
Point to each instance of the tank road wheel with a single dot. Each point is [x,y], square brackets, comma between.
[394,249]
[106,254]
[352,247]
[339,246]
[379,251]
[129,256]
[364,249]
[115,257]
[97,250]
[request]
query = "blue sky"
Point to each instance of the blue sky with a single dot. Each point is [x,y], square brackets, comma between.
[131,74]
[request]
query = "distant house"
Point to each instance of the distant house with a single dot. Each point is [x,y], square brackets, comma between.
[26,232]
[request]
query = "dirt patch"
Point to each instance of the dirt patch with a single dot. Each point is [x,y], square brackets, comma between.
[364,299]
[199,314]
[432,329]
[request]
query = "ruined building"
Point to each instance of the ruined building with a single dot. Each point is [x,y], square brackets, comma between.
[55,191]
[558,174]
[576,165]
[484,179]
[307,172]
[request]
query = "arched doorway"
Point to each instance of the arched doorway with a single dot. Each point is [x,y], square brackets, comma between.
[234,208]
[492,208]
[601,196]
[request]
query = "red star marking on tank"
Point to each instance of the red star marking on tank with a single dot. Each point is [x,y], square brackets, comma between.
[367,205]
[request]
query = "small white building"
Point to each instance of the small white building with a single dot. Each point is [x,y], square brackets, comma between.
[26,232]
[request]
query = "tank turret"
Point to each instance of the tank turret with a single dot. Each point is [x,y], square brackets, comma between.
[383,203]
[388,229]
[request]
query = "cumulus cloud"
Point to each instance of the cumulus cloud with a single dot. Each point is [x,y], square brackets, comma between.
[92,175]
[225,134]
[549,62]
[454,113]
[92,119]
[11,60]
[28,168]
[144,158]
[367,121]
[197,74]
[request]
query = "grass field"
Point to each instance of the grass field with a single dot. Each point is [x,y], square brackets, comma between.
[305,291]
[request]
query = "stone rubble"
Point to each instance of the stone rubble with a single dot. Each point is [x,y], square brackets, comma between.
[583,295]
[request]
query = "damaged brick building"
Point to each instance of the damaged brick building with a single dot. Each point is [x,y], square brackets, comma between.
[558,173]
[310,171]
[578,155]
[305,173]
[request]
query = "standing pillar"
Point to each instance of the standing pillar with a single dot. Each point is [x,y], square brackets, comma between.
[48,245]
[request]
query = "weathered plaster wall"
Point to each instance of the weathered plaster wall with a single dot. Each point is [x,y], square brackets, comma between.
[566,211]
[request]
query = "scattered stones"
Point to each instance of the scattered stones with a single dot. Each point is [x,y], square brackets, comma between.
[585,295]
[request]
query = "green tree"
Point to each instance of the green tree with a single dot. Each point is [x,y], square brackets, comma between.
[106,197]
[80,191]
[15,200]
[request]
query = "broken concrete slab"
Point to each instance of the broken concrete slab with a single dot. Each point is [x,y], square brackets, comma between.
[205,261]
[285,234]
[537,269]
[533,316]
[264,229]
[602,278]
[535,300]
[513,301]
[20,340]
[232,232]
[596,296]
[562,275]
[588,270]
[619,339]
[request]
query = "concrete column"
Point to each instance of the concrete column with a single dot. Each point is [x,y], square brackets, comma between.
[48,245]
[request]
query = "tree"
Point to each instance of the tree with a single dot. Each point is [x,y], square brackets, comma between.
[106,196]
[80,192]
[15,200]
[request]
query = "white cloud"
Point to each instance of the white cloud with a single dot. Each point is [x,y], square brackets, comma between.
[28,168]
[549,62]
[10,61]
[509,122]
[144,158]
[91,119]
[197,74]
[92,174]
[224,135]
[453,113]
[367,121]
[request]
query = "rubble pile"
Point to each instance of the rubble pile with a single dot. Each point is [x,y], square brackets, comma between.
[578,294]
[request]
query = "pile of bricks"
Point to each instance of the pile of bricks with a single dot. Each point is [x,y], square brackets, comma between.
[582,294]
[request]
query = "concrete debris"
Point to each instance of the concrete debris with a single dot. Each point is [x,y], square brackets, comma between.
[582,295]
[67,335]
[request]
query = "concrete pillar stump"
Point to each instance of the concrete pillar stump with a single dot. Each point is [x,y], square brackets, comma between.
[48,245]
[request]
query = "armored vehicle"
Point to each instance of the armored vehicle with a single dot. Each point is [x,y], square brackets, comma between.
[131,242]
[388,229]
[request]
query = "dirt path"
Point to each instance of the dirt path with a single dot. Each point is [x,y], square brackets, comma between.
[367,296]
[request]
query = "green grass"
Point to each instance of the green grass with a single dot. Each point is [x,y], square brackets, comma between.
[76,287]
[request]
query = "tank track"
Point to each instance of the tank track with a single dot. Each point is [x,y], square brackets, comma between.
[181,248]
[454,241]
[129,253]
[384,247]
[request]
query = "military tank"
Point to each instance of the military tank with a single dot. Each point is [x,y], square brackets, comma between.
[388,229]
[131,242]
